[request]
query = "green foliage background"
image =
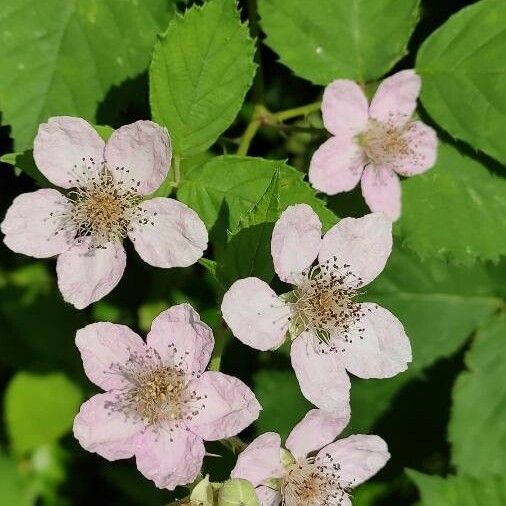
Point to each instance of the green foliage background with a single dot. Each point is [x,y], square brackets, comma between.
[197,70]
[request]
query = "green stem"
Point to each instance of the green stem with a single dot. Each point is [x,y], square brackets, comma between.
[303,110]
[177,170]
[260,116]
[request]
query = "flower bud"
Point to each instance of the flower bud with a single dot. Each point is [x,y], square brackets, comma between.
[237,492]
[202,494]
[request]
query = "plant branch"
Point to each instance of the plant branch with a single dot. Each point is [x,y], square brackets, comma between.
[303,110]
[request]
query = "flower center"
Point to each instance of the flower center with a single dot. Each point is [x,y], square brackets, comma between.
[157,393]
[102,206]
[385,143]
[324,302]
[309,483]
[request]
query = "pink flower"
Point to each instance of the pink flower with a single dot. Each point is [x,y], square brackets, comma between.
[159,403]
[106,202]
[373,143]
[315,470]
[331,331]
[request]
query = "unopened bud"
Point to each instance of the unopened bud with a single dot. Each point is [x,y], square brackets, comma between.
[237,492]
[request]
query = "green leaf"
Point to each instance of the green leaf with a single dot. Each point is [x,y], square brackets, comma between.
[460,490]
[266,210]
[457,210]
[462,67]
[440,305]
[199,75]
[62,57]
[39,409]
[339,39]
[283,406]
[248,252]
[225,188]
[477,429]
[15,488]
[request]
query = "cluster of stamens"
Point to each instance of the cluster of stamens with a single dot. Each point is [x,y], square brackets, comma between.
[313,482]
[103,205]
[324,303]
[386,144]
[157,393]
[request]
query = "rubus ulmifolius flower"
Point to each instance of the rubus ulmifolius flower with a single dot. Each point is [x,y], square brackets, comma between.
[314,469]
[105,199]
[331,332]
[373,143]
[160,403]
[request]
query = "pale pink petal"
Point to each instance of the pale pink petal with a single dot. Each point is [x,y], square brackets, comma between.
[422,142]
[359,457]
[260,461]
[317,429]
[171,235]
[268,497]
[179,336]
[362,244]
[395,98]
[344,108]
[381,349]
[255,314]
[169,456]
[104,346]
[229,406]
[381,189]
[322,378]
[65,147]
[31,224]
[139,155]
[87,274]
[296,239]
[336,166]
[101,429]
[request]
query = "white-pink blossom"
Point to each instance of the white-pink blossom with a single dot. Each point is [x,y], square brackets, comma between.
[373,143]
[313,470]
[331,331]
[105,201]
[160,403]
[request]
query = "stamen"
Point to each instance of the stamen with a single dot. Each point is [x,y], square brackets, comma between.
[157,393]
[324,304]
[102,206]
[313,482]
[388,145]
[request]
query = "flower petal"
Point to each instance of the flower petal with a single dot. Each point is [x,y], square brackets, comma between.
[100,429]
[169,456]
[364,244]
[143,149]
[172,235]
[260,460]
[103,346]
[179,336]
[322,378]
[296,239]
[359,458]
[336,166]
[31,225]
[395,98]
[422,142]
[381,350]
[64,148]
[86,274]
[344,108]
[255,314]
[230,406]
[317,429]
[268,497]
[381,189]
